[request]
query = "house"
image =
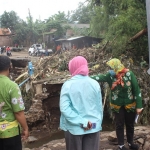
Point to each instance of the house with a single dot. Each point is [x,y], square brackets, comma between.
[78,41]
[48,38]
[73,36]
[5,37]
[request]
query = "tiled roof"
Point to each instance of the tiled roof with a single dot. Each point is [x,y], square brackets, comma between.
[4,31]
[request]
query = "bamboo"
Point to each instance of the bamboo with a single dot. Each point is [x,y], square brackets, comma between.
[22,75]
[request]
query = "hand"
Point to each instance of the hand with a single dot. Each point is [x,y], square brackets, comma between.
[139,110]
[89,126]
[112,73]
[25,134]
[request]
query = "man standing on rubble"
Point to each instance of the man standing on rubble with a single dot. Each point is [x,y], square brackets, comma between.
[11,110]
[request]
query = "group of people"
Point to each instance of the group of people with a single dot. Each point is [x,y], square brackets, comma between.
[7,50]
[60,48]
[80,106]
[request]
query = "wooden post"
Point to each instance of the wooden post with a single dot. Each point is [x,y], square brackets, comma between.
[148,24]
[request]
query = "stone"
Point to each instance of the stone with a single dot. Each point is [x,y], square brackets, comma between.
[44,148]
[55,145]
[146,145]
[63,144]
[112,136]
[104,139]
[31,139]
[148,137]
[141,141]
[44,127]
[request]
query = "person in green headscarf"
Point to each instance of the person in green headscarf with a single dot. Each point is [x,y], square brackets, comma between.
[125,100]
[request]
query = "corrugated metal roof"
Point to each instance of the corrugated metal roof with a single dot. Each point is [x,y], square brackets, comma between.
[74,38]
[61,40]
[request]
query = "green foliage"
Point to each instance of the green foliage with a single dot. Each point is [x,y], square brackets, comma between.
[117,21]
[81,31]
[21,32]
[82,14]
[9,20]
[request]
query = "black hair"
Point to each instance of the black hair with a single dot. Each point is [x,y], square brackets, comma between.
[4,63]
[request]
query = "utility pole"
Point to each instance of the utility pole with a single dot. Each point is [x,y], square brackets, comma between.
[148,26]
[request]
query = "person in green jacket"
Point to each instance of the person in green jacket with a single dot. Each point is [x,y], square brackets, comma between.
[125,100]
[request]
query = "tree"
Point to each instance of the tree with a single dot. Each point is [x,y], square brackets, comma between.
[82,14]
[21,33]
[9,20]
[119,20]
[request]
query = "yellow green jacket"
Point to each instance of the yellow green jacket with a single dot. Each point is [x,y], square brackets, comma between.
[128,96]
[10,102]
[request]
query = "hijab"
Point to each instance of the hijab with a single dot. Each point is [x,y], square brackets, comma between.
[78,66]
[120,71]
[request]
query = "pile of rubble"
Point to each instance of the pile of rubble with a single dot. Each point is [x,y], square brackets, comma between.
[51,72]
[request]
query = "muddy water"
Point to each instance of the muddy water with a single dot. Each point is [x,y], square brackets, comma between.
[106,126]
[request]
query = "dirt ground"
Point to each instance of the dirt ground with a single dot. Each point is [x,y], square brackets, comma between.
[21,54]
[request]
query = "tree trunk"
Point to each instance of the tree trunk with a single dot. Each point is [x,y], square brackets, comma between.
[139,34]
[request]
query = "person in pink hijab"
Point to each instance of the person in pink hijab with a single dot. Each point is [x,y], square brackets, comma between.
[81,108]
[78,66]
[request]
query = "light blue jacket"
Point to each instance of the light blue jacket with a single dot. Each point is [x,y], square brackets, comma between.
[80,102]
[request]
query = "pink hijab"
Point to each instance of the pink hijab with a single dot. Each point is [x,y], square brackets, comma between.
[78,66]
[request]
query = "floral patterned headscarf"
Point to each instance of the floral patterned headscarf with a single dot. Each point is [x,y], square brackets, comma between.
[120,71]
[116,65]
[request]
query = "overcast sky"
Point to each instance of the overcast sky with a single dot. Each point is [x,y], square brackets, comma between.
[42,9]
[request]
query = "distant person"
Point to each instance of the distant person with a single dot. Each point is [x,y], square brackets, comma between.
[74,47]
[16,45]
[2,49]
[8,51]
[58,48]
[11,110]
[81,108]
[46,51]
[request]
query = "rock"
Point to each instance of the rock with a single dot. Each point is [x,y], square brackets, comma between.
[141,141]
[31,139]
[44,127]
[44,148]
[112,137]
[148,137]
[104,139]
[146,145]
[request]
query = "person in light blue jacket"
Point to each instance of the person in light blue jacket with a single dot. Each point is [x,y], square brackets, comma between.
[81,108]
